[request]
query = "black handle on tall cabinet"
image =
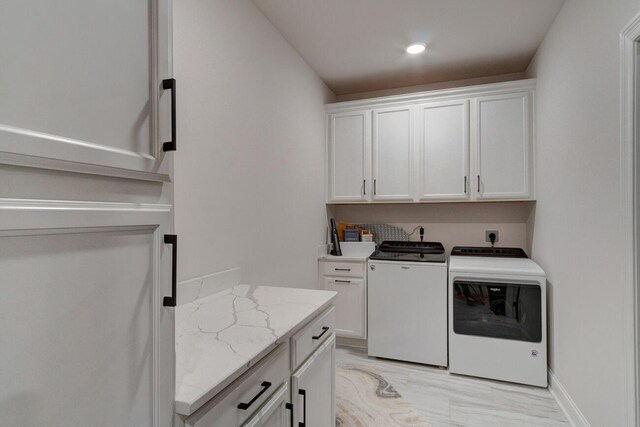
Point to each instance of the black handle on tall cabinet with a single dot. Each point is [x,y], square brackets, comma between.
[303,393]
[172,239]
[289,406]
[171,84]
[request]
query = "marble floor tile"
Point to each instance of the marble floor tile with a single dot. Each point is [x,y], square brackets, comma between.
[447,400]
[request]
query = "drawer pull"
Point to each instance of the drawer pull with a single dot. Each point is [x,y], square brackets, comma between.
[342,281]
[324,331]
[343,269]
[303,393]
[265,386]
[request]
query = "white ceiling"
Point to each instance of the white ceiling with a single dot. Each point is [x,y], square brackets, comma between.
[359,45]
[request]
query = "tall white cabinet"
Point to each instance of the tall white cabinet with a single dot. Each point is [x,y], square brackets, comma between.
[86,214]
[465,144]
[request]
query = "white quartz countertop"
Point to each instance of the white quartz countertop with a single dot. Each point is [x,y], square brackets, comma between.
[221,336]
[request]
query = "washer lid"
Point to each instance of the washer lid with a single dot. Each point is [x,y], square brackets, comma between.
[509,266]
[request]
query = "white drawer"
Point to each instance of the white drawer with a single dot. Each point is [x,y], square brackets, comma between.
[344,269]
[311,336]
[253,388]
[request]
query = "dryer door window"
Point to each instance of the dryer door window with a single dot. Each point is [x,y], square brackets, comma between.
[510,311]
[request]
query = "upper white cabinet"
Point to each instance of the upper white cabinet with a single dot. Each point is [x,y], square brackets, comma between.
[464,144]
[502,142]
[90,94]
[392,153]
[444,150]
[349,156]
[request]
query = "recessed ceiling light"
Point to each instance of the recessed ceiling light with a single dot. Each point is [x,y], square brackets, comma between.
[416,48]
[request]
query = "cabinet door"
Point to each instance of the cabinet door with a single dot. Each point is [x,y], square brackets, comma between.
[444,150]
[86,337]
[86,90]
[351,313]
[392,153]
[349,157]
[503,147]
[313,388]
[274,413]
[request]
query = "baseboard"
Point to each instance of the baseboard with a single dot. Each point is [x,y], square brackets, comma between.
[351,342]
[568,406]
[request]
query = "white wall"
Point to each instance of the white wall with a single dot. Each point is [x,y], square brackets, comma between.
[574,229]
[450,223]
[249,166]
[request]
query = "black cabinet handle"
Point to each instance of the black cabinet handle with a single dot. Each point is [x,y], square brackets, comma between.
[265,386]
[478,183]
[342,281]
[324,331]
[374,187]
[364,187]
[171,84]
[303,393]
[289,406]
[342,269]
[465,184]
[172,239]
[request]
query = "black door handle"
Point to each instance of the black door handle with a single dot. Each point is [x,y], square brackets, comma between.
[171,84]
[265,386]
[289,406]
[172,239]
[303,393]
[324,331]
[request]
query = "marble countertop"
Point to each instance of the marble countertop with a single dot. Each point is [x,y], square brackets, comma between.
[221,336]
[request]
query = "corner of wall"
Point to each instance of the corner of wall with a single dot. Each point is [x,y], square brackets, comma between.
[568,406]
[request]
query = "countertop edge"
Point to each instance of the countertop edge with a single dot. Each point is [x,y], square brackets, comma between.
[186,409]
[334,258]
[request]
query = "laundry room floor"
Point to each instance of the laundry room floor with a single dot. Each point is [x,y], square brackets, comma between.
[380,392]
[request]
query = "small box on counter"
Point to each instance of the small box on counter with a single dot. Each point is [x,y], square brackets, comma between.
[351,235]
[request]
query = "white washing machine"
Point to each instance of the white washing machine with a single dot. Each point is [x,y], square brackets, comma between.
[407,302]
[497,315]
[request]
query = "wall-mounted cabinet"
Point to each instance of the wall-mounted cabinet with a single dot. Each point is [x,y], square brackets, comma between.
[466,144]
[502,145]
[393,130]
[443,150]
[350,156]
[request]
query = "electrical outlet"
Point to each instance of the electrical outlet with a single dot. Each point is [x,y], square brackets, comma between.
[488,239]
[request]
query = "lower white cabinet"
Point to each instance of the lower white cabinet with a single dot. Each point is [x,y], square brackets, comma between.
[294,385]
[349,280]
[351,314]
[313,388]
